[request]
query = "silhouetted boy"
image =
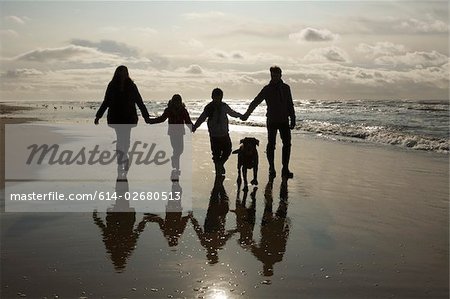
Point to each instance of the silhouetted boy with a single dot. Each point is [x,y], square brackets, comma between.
[216,112]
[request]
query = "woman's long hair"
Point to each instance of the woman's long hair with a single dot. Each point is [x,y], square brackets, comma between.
[121,77]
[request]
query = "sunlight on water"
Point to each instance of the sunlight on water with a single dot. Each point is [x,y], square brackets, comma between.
[217,294]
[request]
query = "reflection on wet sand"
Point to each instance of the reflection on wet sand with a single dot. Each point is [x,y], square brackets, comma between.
[213,236]
[119,234]
[245,217]
[274,230]
[174,224]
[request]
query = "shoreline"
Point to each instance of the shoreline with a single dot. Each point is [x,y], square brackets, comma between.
[340,132]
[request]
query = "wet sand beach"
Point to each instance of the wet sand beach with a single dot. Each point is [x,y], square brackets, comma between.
[357,221]
[9,116]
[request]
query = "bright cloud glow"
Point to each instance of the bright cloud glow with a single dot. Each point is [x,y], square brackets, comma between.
[313,35]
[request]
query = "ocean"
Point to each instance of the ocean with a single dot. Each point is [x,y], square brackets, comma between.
[416,125]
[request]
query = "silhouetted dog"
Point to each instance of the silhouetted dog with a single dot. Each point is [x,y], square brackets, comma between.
[247,159]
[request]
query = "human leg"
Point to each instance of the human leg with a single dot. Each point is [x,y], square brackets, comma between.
[216,153]
[123,134]
[176,140]
[285,134]
[226,148]
[224,143]
[270,149]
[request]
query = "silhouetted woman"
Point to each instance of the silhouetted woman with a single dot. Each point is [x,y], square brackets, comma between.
[121,98]
[178,115]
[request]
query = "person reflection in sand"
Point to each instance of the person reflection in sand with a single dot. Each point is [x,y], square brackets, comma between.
[119,234]
[214,235]
[274,230]
[174,224]
[245,217]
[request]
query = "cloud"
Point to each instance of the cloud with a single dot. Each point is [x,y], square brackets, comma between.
[237,55]
[108,46]
[394,25]
[70,57]
[258,29]
[313,35]
[17,20]
[8,33]
[318,81]
[381,48]
[192,43]
[329,54]
[48,54]
[194,69]
[19,73]
[223,55]
[204,15]
[429,25]
[308,81]
[64,53]
[413,59]
[354,82]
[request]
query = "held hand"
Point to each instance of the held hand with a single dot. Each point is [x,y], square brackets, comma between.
[244,117]
[194,129]
[96,121]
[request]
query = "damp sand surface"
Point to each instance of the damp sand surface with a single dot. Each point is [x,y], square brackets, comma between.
[356,221]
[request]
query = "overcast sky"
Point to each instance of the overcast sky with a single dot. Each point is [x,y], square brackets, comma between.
[327,50]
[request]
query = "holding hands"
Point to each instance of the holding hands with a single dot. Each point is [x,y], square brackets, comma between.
[245,116]
[150,121]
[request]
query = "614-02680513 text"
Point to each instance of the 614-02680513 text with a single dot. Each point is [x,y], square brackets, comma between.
[102,196]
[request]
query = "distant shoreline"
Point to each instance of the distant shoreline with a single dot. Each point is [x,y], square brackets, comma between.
[359,122]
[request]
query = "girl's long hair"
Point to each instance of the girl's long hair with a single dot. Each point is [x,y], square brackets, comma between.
[176,103]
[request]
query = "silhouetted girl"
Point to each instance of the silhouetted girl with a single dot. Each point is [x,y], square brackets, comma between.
[178,115]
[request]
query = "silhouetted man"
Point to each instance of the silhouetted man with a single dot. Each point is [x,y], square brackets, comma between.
[280,117]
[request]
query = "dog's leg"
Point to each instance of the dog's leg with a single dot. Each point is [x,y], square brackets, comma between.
[255,176]
[244,174]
